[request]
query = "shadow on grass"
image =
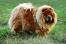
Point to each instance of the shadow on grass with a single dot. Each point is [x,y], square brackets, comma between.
[23,38]
[9,36]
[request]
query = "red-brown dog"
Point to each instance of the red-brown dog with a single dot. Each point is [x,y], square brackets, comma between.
[25,18]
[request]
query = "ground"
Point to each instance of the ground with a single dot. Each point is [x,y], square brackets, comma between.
[57,36]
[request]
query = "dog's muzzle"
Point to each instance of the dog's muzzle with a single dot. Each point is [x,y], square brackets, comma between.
[48,19]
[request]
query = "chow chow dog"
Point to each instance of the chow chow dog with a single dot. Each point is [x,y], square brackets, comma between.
[25,17]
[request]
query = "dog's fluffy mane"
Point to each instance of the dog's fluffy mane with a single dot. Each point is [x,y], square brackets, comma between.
[38,14]
[46,27]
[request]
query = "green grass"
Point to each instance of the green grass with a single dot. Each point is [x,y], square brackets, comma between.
[57,36]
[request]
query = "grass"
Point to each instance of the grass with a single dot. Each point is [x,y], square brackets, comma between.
[57,36]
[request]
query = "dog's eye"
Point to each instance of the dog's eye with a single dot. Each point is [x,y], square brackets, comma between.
[43,10]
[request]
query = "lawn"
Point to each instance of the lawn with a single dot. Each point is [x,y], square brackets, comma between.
[57,36]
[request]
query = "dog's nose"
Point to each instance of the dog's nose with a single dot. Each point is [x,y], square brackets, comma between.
[48,18]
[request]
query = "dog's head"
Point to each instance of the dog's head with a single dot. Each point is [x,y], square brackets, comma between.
[46,17]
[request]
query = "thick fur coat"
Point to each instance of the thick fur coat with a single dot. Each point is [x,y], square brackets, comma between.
[25,17]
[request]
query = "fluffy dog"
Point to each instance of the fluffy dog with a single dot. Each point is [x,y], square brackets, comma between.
[22,18]
[46,18]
